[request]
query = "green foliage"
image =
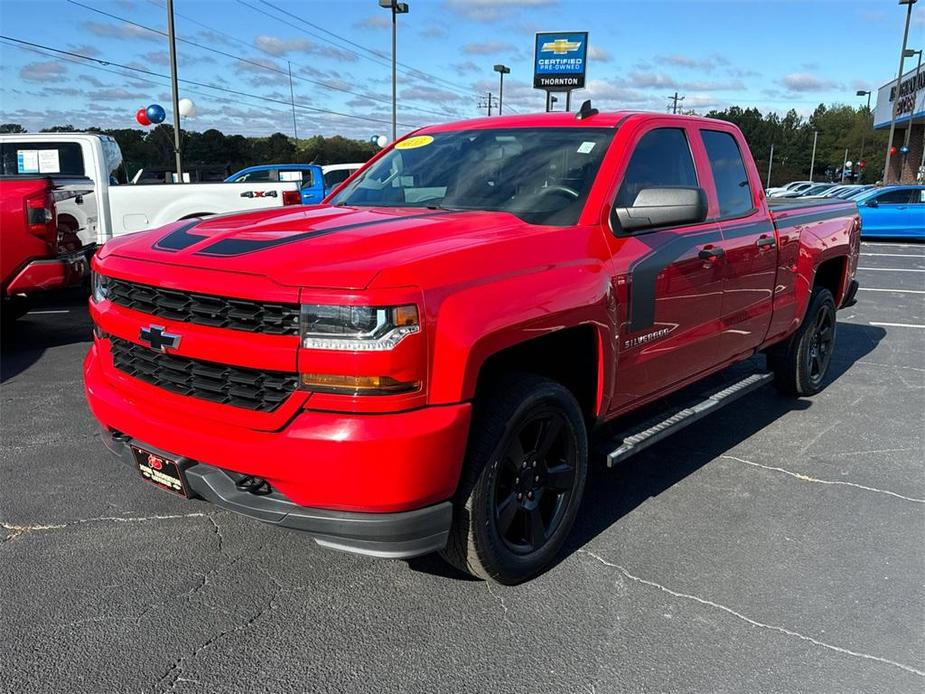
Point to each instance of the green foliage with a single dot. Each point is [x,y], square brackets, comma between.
[839,127]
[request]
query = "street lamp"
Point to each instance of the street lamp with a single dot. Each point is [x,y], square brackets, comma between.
[862,92]
[502,70]
[899,78]
[909,53]
[397,8]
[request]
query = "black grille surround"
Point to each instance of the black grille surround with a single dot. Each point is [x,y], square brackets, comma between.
[252,389]
[206,309]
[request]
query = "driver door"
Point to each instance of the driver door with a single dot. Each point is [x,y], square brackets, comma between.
[668,281]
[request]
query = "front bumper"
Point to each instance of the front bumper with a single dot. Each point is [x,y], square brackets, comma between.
[54,273]
[390,535]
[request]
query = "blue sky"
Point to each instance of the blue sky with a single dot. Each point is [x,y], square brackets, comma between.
[772,54]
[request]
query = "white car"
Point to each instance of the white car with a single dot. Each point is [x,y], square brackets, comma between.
[794,187]
[111,208]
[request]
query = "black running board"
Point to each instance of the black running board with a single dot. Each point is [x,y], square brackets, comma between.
[654,430]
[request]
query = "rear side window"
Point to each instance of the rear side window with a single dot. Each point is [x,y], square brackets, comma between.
[30,158]
[262,176]
[332,178]
[662,159]
[729,174]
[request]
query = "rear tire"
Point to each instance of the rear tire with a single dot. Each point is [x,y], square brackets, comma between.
[800,365]
[522,483]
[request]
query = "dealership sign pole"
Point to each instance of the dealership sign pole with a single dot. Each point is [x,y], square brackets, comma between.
[560,61]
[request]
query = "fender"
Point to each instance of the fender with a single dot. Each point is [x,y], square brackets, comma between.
[480,321]
[821,242]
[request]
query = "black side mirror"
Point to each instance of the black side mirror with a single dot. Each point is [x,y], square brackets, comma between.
[872,203]
[661,207]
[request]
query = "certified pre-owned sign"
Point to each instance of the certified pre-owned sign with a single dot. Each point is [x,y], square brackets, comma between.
[560,60]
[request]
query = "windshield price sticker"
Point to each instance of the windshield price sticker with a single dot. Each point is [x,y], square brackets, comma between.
[415,142]
[27,161]
[586,147]
[49,161]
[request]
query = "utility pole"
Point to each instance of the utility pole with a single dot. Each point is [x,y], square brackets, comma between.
[862,92]
[908,53]
[397,8]
[770,163]
[899,78]
[812,162]
[844,165]
[675,99]
[486,101]
[171,37]
[502,70]
[295,128]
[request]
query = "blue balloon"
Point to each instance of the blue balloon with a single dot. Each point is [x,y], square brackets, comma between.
[156,113]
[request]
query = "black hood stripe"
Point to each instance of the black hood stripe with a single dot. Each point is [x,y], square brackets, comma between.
[227,248]
[180,238]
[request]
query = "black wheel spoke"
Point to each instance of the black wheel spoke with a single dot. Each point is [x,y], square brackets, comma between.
[515,451]
[560,477]
[506,511]
[536,527]
[549,432]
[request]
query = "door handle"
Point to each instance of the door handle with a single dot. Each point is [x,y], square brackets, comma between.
[765,242]
[708,252]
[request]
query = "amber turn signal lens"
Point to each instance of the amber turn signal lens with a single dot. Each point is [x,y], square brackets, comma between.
[356,385]
[406,315]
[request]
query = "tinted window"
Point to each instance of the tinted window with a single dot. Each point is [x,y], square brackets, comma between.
[256,177]
[895,197]
[332,178]
[541,175]
[732,188]
[64,158]
[661,159]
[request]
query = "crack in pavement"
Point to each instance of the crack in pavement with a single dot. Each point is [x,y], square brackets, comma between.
[500,599]
[17,530]
[807,478]
[749,620]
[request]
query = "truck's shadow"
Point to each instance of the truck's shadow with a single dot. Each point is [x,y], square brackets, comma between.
[612,494]
[23,343]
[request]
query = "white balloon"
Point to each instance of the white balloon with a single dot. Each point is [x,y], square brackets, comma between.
[849,164]
[187,107]
[382,140]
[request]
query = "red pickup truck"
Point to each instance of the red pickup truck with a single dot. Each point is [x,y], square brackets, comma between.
[417,364]
[35,254]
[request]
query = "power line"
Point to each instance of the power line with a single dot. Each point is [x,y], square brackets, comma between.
[264,66]
[201,84]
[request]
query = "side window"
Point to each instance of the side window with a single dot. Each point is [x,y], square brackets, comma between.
[729,174]
[333,178]
[895,197]
[256,177]
[662,159]
[303,177]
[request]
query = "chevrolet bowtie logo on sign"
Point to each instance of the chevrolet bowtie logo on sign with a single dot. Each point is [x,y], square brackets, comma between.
[561,46]
[158,338]
[560,61]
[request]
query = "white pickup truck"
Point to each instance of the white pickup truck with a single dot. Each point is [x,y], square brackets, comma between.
[114,207]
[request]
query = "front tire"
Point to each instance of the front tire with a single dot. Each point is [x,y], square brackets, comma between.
[522,483]
[800,365]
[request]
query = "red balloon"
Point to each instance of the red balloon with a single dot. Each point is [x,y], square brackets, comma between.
[893,150]
[141,116]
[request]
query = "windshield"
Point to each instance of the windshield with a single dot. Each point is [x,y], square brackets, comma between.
[542,175]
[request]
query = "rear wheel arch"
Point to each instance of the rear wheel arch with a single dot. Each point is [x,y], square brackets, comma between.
[830,274]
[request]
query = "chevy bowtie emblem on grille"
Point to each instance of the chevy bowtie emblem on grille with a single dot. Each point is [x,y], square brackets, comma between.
[155,336]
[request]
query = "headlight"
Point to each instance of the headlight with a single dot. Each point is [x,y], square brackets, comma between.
[99,285]
[357,328]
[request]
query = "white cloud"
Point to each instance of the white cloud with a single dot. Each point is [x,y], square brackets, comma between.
[374,21]
[599,54]
[805,82]
[488,48]
[491,10]
[128,32]
[43,71]
[279,47]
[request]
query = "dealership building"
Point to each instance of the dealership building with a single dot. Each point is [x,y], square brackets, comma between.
[910,123]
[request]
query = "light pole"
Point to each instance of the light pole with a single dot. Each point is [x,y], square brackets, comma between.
[861,92]
[899,78]
[812,162]
[909,53]
[397,8]
[502,70]
[171,37]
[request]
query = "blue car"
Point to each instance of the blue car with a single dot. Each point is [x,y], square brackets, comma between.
[309,176]
[893,212]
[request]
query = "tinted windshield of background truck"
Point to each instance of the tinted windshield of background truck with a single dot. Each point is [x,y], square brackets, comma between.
[541,175]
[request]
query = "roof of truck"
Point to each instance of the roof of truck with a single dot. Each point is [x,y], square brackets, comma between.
[557,119]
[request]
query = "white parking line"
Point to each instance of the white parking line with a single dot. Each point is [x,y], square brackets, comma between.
[898,325]
[897,245]
[895,291]
[891,269]
[893,255]
[37,313]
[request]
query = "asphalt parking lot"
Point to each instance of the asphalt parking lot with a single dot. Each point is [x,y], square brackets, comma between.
[777,546]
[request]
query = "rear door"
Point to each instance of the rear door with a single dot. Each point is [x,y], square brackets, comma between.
[749,242]
[668,280]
